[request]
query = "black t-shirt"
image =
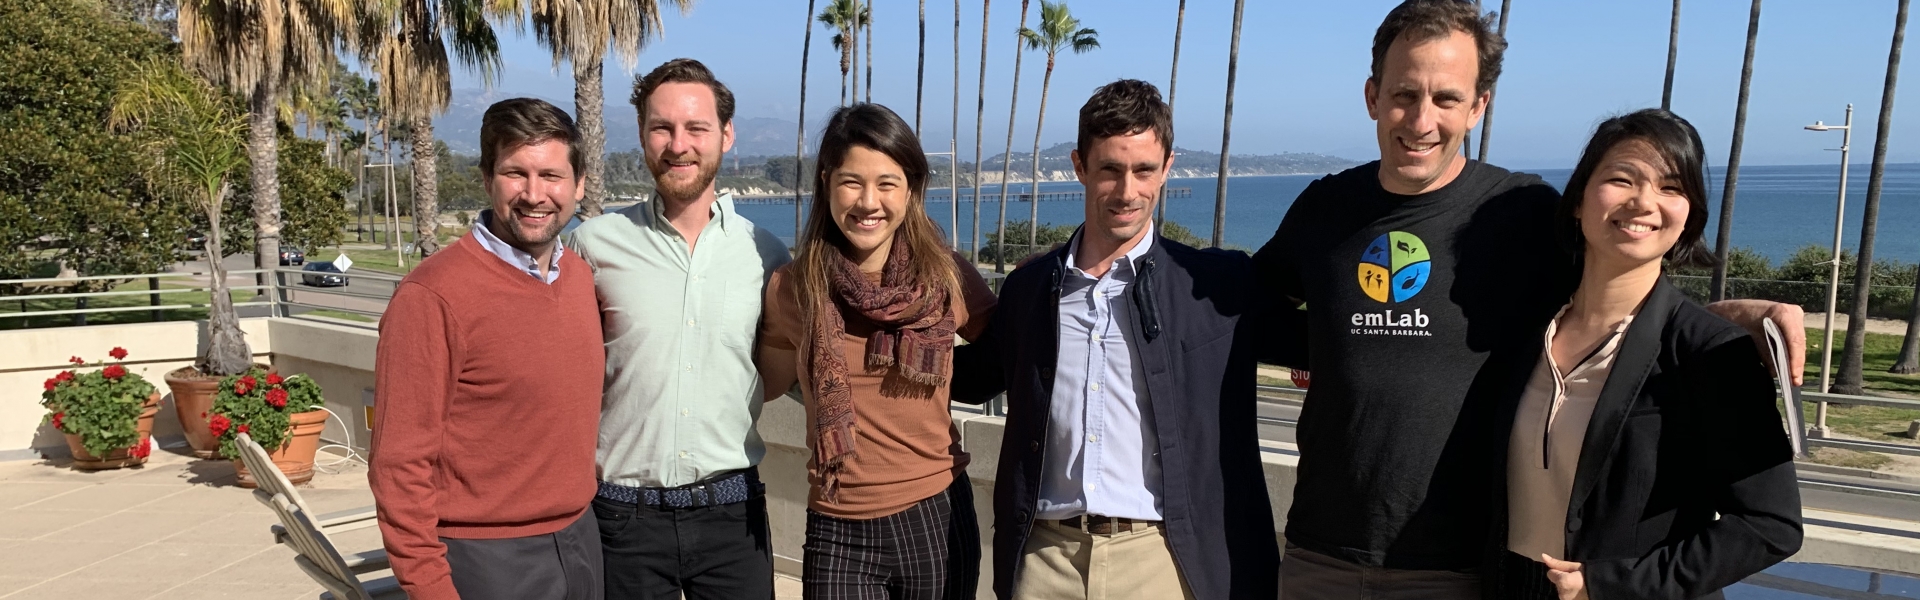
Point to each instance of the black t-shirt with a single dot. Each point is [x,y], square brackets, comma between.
[1406,296]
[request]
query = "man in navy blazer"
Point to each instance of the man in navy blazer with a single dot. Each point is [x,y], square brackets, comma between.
[1130,465]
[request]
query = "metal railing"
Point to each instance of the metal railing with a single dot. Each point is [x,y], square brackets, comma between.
[277,295]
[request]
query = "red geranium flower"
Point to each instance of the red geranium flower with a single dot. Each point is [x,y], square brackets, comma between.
[218,424]
[52,383]
[274,379]
[143,450]
[76,360]
[114,372]
[277,397]
[117,353]
[242,429]
[64,376]
[245,385]
[59,421]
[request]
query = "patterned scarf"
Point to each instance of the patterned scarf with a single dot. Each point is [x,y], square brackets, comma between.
[915,334]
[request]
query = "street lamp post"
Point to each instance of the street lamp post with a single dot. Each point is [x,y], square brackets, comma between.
[1833,277]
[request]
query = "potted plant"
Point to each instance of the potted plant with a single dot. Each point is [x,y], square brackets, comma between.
[283,415]
[106,414]
[190,137]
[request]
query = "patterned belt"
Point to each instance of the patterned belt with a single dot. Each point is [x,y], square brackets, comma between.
[1103,525]
[728,489]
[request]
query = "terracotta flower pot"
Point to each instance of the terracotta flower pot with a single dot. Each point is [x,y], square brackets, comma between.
[192,397]
[124,457]
[295,459]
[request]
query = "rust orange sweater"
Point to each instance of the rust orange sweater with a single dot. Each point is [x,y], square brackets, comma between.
[487,405]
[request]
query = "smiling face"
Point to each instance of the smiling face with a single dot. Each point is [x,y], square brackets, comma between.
[1423,106]
[870,199]
[533,190]
[684,140]
[1122,175]
[1633,209]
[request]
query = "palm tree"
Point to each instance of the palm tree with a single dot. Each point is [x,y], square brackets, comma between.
[410,55]
[866,21]
[1673,55]
[920,77]
[1006,167]
[1723,242]
[1173,78]
[1226,130]
[800,139]
[580,32]
[979,120]
[362,99]
[191,138]
[1486,120]
[838,16]
[1058,31]
[259,49]
[1851,364]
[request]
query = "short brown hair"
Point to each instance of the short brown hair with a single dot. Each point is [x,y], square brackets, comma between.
[518,122]
[1125,107]
[1425,20]
[683,70]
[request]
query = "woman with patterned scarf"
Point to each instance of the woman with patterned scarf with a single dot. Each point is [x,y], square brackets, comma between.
[865,320]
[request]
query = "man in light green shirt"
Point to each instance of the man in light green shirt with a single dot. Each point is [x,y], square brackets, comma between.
[679,280]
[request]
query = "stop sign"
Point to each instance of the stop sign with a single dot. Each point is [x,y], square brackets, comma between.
[1301,378]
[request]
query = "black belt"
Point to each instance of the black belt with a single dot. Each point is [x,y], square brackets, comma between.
[1104,525]
[723,489]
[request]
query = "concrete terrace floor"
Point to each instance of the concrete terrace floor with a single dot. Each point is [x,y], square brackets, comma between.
[176,527]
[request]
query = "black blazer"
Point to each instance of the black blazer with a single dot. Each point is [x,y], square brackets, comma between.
[1685,429]
[1187,307]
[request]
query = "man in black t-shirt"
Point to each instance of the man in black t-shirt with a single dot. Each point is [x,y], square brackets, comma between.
[1405,274]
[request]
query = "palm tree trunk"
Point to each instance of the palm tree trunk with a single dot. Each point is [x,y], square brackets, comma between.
[1723,241]
[389,219]
[979,122]
[426,184]
[263,149]
[868,83]
[1226,130]
[1851,379]
[920,78]
[1909,362]
[227,351]
[1173,79]
[853,49]
[800,139]
[589,104]
[1039,124]
[1673,56]
[1486,121]
[1006,166]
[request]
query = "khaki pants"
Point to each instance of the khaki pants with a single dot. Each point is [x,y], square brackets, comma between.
[1061,563]
[1308,575]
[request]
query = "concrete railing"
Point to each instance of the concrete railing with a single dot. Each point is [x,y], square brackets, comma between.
[340,358]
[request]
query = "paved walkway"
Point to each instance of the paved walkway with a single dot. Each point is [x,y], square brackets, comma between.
[174,528]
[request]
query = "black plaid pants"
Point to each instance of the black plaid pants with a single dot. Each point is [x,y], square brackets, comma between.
[930,551]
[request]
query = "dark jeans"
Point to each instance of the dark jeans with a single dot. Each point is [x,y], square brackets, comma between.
[1308,575]
[930,551]
[708,553]
[563,565]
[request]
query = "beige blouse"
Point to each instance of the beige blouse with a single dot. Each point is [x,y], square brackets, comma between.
[1544,447]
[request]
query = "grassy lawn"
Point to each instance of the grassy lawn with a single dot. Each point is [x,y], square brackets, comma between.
[133,316]
[345,316]
[1870,422]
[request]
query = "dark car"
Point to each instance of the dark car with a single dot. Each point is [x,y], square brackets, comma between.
[322,274]
[291,256]
[196,241]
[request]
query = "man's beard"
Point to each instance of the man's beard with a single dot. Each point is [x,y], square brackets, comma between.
[682,190]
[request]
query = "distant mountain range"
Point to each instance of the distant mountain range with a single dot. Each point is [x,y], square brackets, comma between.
[758,138]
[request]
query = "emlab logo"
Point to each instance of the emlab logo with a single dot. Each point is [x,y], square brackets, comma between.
[1393,269]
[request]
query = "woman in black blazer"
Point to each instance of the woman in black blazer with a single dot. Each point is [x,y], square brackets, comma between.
[1646,458]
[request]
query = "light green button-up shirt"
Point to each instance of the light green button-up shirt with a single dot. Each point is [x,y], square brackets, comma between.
[682,394]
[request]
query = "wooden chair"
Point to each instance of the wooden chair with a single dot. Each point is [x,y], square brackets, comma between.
[272,481]
[317,557]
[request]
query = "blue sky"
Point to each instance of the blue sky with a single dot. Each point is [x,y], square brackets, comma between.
[1302,65]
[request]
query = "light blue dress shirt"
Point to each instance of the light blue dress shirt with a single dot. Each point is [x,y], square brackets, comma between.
[514,256]
[1103,457]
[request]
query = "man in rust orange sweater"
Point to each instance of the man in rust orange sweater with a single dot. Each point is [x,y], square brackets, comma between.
[488,381]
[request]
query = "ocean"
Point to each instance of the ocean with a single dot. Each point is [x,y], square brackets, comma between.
[1777,209]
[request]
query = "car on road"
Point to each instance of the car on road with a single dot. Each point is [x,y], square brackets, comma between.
[322,274]
[292,256]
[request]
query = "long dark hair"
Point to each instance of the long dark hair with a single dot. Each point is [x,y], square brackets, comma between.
[876,128]
[1676,141]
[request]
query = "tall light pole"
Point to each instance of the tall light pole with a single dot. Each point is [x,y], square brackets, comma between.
[1833,277]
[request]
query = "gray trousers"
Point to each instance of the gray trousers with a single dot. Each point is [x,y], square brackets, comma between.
[563,565]
[1307,575]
